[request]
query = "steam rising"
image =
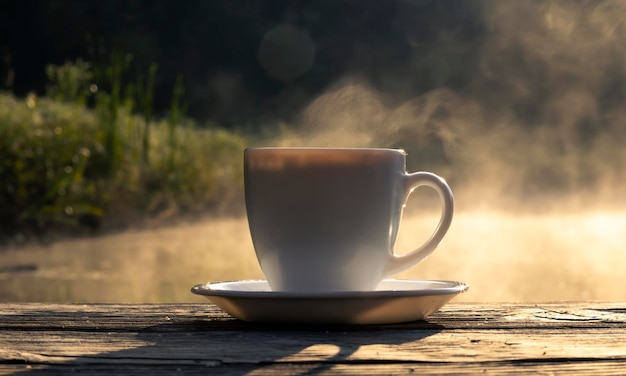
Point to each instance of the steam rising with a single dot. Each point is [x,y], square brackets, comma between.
[541,118]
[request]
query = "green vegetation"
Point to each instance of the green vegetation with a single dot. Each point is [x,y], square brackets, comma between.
[82,156]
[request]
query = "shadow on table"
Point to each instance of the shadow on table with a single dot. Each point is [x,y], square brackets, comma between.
[236,347]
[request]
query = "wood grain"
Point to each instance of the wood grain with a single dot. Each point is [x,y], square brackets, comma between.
[195,338]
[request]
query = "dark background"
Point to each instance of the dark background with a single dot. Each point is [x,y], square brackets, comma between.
[395,45]
[535,63]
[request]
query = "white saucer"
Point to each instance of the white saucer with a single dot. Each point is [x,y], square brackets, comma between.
[395,301]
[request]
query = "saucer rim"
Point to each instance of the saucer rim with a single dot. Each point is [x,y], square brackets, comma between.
[211,289]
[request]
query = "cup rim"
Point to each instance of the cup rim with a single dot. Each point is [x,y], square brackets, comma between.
[324,148]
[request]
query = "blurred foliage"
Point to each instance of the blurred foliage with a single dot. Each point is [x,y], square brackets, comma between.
[66,166]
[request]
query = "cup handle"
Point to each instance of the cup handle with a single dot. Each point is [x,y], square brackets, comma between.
[411,182]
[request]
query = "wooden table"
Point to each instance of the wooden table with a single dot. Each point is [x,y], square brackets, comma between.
[200,339]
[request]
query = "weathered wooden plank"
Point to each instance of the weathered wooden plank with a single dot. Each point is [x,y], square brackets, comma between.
[462,338]
[540,315]
[461,345]
[454,316]
[605,368]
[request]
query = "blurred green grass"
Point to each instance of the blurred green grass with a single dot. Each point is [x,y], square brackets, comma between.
[79,158]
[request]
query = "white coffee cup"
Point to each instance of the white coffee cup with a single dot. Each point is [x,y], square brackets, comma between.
[326,219]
